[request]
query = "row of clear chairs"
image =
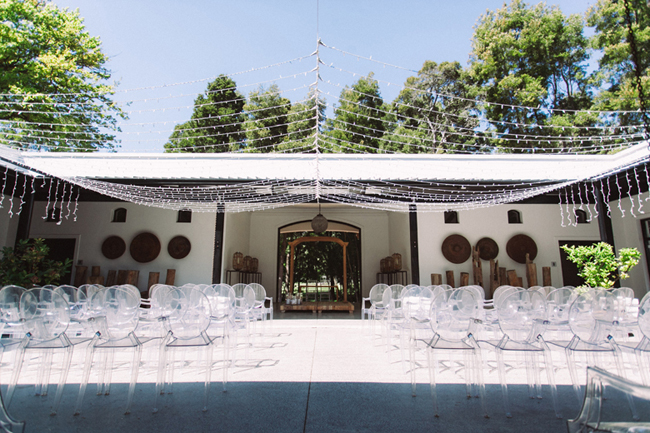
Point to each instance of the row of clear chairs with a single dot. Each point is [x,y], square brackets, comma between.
[520,326]
[49,320]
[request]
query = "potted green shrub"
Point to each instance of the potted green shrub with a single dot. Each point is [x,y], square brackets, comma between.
[27,265]
[599,266]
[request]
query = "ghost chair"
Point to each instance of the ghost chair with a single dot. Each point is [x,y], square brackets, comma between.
[522,318]
[244,316]
[114,317]
[413,323]
[260,302]
[593,322]
[187,316]
[76,300]
[397,290]
[558,304]
[376,292]
[11,325]
[222,312]
[46,316]
[641,350]
[591,415]
[453,322]
[377,308]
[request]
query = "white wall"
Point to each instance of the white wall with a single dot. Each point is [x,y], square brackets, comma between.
[382,234]
[94,225]
[8,223]
[628,234]
[541,222]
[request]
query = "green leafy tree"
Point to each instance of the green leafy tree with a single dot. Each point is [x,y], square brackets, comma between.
[266,122]
[54,94]
[434,111]
[533,57]
[358,123]
[216,123]
[616,66]
[27,265]
[598,264]
[303,121]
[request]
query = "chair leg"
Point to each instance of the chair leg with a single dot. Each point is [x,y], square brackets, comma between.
[432,380]
[571,366]
[67,359]
[90,351]
[18,365]
[502,378]
[550,373]
[208,374]
[135,368]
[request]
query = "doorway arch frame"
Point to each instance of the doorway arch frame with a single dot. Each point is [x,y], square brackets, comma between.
[298,241]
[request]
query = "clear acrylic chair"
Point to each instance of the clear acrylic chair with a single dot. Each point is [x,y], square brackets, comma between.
[522,318]
[260,302]
[46,316]
[590,417]
[593,322]
[558,304]
[113,314]
[222,306]
[187,316]
[11,326]
[376,299]
[641,350]
[453,320]
[413,324]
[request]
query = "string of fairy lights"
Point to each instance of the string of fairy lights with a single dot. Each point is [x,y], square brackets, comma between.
[320,112]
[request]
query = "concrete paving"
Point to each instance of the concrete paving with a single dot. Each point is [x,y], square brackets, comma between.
[306,373]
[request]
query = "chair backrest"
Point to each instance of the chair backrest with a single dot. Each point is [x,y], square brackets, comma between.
[416,303]
[133,289]
[88,290]
[397,290]
[592,314]
[114,311]
[187,311]
[222,300]
[260,293]
[558,303]
[521,315]
[239,289]
[377,293]
[479,293]
[387,298]
[10,303]
[70,294]
[644,315]
[46,313]
[502,292]
[453,312]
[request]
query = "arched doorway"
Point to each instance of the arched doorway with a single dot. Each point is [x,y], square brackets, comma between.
[320,261]
[292,257]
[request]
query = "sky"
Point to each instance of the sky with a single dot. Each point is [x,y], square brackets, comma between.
[172,48]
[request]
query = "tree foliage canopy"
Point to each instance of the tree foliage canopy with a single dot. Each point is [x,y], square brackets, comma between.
[358,121]
[266,122]
[616,66]
[216,123]
[53,80]
[534,57]
[432,109]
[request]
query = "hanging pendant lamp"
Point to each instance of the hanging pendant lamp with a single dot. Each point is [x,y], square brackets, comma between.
[319,223]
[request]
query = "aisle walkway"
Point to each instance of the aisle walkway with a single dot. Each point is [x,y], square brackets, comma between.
[307,374]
